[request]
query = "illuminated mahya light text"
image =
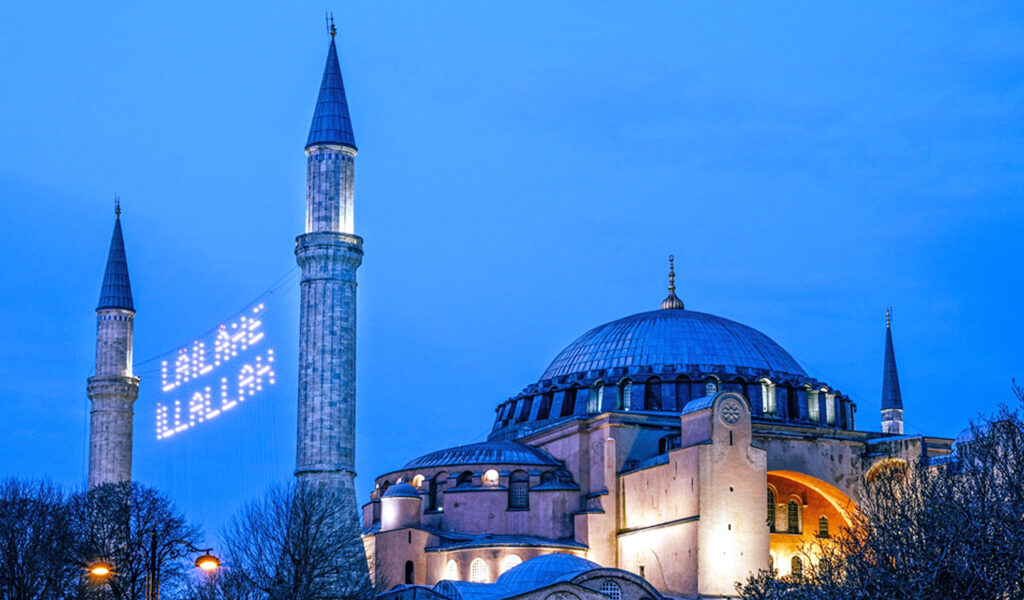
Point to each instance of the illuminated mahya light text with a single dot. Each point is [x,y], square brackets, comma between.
[230,346]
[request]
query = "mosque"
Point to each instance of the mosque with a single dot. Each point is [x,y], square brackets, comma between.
[667,453]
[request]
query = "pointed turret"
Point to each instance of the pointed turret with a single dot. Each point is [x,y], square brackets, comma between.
[116,291]
[892,400]
[331,122]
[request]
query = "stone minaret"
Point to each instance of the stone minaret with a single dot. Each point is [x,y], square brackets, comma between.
[329,255]
[892,400]
[113,390]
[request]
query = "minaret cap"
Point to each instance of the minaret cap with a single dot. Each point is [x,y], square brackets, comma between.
[332,124]
[891,395]
[116,291]
[672,301]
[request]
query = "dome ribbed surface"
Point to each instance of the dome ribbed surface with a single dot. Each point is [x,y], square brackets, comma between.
[673,337]
[490,452]
[544,570]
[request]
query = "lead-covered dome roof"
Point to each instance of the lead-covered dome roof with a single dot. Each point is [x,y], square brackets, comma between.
[674,337]
[493,452]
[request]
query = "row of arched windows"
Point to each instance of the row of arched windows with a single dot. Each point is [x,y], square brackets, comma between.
[518,487]
[479,572]
[794,517]
[788,400]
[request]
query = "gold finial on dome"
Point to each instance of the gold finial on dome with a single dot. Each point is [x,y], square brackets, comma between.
[672,301]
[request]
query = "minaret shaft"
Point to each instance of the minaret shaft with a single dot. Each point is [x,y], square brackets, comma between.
[113,389]
[329,254]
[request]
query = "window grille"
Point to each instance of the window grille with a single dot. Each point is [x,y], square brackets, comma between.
[793,516]
[771,509]
[519,490]
[509,562]
[612,590]
[796,567]
[478,571]
[823,526]
[451,572]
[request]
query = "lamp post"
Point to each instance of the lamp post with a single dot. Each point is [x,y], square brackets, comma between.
[207,562]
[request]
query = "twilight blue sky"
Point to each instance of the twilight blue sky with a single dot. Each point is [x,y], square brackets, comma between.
[524,170]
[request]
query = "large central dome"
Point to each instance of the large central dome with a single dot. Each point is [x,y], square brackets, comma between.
[673,337]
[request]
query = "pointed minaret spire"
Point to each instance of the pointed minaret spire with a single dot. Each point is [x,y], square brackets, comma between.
[114,388]
[672,301]
[116,291]
[332,125]
[892,400]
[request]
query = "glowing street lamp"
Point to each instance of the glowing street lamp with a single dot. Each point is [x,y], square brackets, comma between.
[100,568]
[208,562]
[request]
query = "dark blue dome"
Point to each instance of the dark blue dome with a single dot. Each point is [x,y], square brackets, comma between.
[495,452]
[673,337]
[544,570]
[401,490]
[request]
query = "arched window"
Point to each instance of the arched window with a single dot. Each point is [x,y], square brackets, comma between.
[465,479]
[435,496]
[417,481]
[409,572]
[490,478]
[768,406]
[796,567]
[625,395]
[710,388]
[509,562]
[478,571]
[544,410]
[652,394]
[569,402]
[519,490]
[793,517]
[793,403]
[451,572]
[612,590]
[771,510]
[823,526]
[547,477]
[524,411]
[596,398]
[384,485]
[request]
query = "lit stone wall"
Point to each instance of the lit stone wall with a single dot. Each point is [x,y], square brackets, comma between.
[112,393]
[330,176]
[733,537]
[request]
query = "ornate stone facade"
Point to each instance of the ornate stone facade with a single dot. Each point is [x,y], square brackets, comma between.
[684,448]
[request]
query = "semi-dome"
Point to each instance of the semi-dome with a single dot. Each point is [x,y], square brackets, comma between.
[674,337]
[545,570]
[494,452]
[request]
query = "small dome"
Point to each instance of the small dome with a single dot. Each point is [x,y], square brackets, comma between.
[495,452]
[545,570]
[674,337]
[401,490]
